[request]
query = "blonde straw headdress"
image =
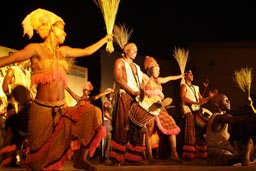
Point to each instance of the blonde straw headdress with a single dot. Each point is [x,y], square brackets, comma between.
[37,18]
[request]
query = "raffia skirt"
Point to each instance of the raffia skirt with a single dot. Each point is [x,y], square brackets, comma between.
[52,129]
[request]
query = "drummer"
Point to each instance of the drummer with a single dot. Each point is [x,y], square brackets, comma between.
[192,101]
[163,122]
[128,76]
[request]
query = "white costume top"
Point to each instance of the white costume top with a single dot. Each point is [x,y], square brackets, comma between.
[192,94]
[131,81]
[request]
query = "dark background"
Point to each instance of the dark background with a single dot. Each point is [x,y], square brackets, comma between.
[158,25]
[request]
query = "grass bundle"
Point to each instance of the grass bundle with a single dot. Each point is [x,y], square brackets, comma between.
[181,56]
[243,79]
[121,34]
[109,10]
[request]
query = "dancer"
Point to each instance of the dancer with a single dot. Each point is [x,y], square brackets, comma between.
[164,122]
[86,98]
[53,127]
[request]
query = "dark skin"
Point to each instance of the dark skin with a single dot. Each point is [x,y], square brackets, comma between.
[222,105]
[130,53]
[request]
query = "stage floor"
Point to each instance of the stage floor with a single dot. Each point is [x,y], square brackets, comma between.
[158,165]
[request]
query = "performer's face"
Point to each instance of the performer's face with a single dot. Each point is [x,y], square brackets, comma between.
[156,71]
[189,76]
[130,51]
[225,103]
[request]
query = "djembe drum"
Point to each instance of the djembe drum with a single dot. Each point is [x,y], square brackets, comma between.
[202,117]
[140,112]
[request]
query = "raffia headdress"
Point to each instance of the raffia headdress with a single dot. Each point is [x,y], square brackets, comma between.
[150,62]
[122,34]
[38,18]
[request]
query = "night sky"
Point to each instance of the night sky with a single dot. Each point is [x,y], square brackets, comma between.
[159,25]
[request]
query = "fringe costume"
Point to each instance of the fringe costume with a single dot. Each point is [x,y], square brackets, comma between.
[164,122]
[55,131]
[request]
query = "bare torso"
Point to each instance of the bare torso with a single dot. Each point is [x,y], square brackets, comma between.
[55,90]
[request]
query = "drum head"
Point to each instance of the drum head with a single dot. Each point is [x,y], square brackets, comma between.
[154,107]
[167,101]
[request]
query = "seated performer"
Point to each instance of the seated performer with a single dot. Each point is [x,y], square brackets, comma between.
[220,150]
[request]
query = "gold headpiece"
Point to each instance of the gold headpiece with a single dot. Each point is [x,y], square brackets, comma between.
[38,18]
[150,62]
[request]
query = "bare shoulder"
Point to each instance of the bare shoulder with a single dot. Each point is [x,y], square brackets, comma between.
[119,62]
[32,49]
[183,86]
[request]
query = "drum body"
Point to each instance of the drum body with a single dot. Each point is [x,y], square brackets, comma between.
[202,116]
[139,116]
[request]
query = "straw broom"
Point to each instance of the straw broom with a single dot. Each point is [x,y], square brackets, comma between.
[121,34]
[243,79]
[181,56]
[109,10]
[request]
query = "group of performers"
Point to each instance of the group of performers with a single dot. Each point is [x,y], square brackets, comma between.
[55,133]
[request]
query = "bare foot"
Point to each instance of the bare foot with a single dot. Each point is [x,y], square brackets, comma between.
[85,164]
[175,157]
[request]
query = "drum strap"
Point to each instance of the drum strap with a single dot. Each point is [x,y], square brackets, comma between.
[136,76]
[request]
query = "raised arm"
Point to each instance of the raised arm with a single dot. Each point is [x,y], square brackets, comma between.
[211,94]
[93,98]
[21,55]
[87,51]
[75,96]
[8,78]
[164,80]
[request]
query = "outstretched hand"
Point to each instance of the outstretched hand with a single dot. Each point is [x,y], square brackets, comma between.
[213,93]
